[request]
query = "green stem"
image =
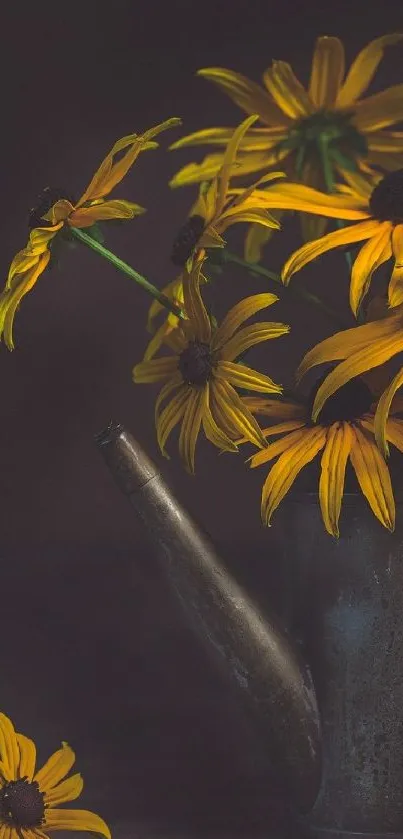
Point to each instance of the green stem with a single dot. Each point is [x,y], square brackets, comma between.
[294,289]
[126,269]
[327,170]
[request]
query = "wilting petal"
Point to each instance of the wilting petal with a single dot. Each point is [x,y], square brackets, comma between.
[373,476]
[380,110]
[67,790]
[237,417]
[287,91]
[9,749]
[11,299]
[294,196]
[358,363]
[246,94]
[256,237]
[244,377]
[333,467]
[275,407]
[251,335]
[373,254]
[27,757]
[256,216]
[191,422]
[277,448]
[55,768]
[284,472]
[166,390]
[117,209]
[238,314]
[349,341]
[382,411]
[198,325]
[256,139]
[394,432]
[170,416]
[327,71]
[335,239]
[395,289]
[209,167]
[229,159]
[155,370]
[76,820]
[212,431]
[363,69]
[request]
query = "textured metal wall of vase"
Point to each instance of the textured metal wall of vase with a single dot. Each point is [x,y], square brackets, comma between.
[348,617]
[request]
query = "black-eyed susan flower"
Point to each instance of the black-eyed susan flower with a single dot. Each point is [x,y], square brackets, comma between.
[299,126]
[344,433]
[56,211]
[30,798]
[202,375]
[359,350]
[217,208]
[381,228]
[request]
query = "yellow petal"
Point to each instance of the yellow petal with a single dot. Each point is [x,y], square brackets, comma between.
[86,216]
[67,790]
[190,427]
[294,196]
[55,768]
[280,428]
[212,431]
[348,341]
[394,432]
[11,299]
[275,407]
[27,757]
[287,91]
[333,468]
[246,94]
[229,159]
[385,141]
[238,314]
[76,820]
[373,254]
[335,239]
[255,216]
[209,167]
[256,139]
[373,476]
[358,363]
[249,336]
[256,237]
[380,110]
[199,322]
[171,415]
[166,391]
[238,418]
[9,750]
[277,448]
[155,370]
[395,289]
[387,161]
[327,72]
[363,69]
[242,376]
[284,472]
[383,408]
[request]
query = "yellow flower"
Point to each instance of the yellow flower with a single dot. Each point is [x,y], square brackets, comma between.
[217,208]
[200,378]
[360,349]
[299,123]
[29,799]
[381,202]
[345,431]
[55,211]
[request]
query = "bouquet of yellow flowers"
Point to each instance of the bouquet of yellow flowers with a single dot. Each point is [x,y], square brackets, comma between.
[330,154]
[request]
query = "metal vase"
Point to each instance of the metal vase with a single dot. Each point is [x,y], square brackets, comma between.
[348,617]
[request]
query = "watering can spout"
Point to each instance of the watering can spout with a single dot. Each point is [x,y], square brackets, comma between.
[256,654]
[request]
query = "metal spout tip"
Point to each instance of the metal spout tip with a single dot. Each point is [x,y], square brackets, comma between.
[130,465]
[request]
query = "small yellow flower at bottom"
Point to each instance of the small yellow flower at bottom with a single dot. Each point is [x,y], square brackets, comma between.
[30,799]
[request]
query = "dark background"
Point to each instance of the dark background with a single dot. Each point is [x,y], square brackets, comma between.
[92,647]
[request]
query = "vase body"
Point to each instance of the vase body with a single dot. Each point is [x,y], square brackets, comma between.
[347,614]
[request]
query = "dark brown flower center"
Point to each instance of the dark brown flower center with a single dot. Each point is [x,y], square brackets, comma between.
[187,239]
[195,363]
[349,403]
[45,201]
[386,202]
[22,804]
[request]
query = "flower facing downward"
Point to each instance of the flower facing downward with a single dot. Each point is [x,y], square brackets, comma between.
[216,209]
[344,432]
[201,377]
[29,799]
[381,204]
[56,210]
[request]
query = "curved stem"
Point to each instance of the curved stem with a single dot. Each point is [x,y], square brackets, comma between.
[126,269]
[327,170]
[296,290]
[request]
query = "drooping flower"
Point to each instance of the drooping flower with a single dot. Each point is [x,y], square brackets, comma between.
[217,208]
[301,124]
[381,229]
[359,350]
[30,798]
[201,377]
[343,433]
[55,211]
